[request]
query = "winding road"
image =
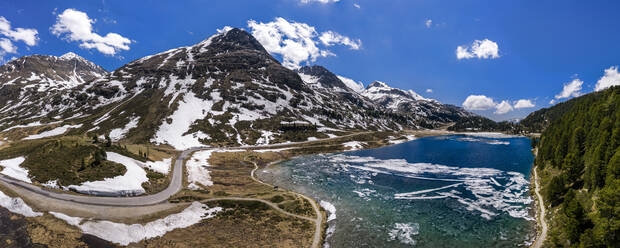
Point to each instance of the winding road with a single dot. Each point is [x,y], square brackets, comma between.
[176,184]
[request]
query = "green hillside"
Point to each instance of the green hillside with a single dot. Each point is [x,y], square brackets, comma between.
[579,162]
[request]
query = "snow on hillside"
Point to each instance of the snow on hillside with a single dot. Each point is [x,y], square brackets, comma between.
[12,169]
[162,167]
[380,91]
[17,205]
[119,133]
[198,174]
[190,109]
[124,234]
[56,131]
[129,183]
[355,86]
[353,145]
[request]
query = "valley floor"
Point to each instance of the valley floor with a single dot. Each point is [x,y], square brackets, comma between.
[296,219]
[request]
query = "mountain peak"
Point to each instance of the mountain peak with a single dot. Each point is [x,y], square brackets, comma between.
[377,84]
[320,75]
[70,56]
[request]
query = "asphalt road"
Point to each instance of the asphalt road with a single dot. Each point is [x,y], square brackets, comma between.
[176,183]
[175,186]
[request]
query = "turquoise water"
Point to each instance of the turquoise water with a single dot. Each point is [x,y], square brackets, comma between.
[444,191]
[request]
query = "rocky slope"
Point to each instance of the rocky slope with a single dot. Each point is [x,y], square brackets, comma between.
[225,90]
[31,86]
[423,112]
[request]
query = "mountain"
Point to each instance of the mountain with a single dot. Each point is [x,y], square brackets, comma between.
[538,120]
[30,85]
[225,90]
[578,161]
[424,112]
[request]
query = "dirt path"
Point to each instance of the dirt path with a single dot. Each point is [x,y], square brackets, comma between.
[316,241]
[543,223]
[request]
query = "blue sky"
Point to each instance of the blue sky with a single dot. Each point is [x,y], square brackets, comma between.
[542,45]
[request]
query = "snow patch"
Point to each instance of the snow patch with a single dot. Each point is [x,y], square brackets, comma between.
[353,145]
[119,133]
[12,169]
[128,184]
[17,205]
[53,132]
[125,234]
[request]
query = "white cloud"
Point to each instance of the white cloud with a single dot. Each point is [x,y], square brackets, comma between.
[27,35]
[77,26]
[611,78]
[571,89]
[331,38]
[319,1]
[552,101]
[428,23]
[356,5]
[524,103]
[297,42]
[6,46]
[429,90]
[503,107]
[482,49]
[479,102]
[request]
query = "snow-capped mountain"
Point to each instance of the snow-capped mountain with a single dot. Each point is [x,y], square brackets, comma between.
[225,90]
[34,86]
[425,112]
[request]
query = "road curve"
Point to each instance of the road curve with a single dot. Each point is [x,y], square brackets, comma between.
[176,183]
[175,186]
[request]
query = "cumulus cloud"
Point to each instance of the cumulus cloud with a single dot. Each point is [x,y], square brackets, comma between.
[428,23]
[482,102]
[479,102]
[331,38]
[6,46]
[8,35]
[318,1]
[571,89]
[75,25]
[524,103]
[482,49]
[611,78]
[429,90]
[297,42]
[27,35]
[503,107]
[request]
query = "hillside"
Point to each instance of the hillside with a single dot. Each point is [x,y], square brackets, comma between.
[538,120]
[422,112]
[226,90]
[579,163]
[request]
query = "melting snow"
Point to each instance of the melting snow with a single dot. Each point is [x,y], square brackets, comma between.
[12,169]
[53,132]
[17,205]
[125,234]
[119,133]
[128,184]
